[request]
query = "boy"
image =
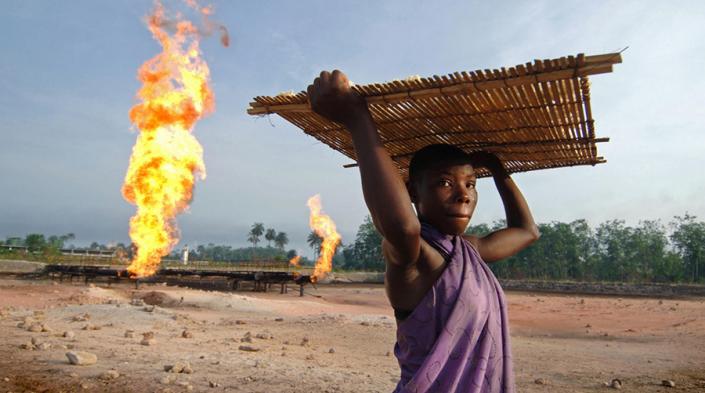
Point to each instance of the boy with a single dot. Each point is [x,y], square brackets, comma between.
[452,327]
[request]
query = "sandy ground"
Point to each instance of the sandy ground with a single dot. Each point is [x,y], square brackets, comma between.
[338,338]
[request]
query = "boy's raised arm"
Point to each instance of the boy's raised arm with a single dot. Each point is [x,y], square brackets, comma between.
[385,194]
[521,229]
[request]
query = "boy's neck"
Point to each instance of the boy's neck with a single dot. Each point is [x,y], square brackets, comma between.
[427,223]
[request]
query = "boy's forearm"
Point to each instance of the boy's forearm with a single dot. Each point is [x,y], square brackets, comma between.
[331,96]
[515,206]
[385,194]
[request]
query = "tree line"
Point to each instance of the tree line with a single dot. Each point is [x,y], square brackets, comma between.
[612,251]
[37,242]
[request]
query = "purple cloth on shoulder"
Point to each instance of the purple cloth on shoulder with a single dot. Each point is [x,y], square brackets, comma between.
[457,337]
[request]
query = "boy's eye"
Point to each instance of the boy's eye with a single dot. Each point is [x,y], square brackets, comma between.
[470,185]
[444,183]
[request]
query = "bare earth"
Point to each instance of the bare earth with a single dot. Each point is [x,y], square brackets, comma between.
[574,343]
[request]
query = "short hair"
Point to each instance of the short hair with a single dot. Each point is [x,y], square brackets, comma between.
[432,156]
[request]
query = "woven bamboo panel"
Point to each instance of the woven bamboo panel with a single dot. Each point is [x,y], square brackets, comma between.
[533,116]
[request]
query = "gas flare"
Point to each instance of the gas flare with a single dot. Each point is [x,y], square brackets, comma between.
[324,227]
[295,261]
[166,159]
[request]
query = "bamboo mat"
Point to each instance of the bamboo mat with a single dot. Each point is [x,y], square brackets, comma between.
[533,116]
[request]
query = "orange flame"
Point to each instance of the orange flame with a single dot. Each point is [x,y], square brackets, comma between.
[324,227]
[167,158]
[295,261]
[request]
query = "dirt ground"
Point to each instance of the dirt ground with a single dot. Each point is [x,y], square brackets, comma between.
[338,338]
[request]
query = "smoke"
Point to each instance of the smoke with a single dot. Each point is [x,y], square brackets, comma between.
[207,28]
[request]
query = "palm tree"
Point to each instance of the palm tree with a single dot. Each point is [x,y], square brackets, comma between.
[255,232]
[314,241]
[270,235]
[281,240]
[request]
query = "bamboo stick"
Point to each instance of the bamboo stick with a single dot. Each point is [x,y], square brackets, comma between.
[481,146]
[547,164]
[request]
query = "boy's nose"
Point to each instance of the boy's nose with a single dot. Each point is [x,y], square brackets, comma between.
[462,196]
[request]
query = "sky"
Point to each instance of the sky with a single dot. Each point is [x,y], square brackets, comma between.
[69,79]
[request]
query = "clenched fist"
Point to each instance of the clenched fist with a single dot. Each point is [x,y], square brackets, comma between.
[331,97]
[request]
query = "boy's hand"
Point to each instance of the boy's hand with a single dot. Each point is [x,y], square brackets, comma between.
[484,159]
[331,97]
[521,229]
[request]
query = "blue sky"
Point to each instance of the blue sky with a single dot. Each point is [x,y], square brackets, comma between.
[68,82]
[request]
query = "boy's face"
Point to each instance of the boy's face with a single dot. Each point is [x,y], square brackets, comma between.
[445,197]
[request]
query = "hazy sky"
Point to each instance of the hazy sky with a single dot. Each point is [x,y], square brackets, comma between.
[68,80]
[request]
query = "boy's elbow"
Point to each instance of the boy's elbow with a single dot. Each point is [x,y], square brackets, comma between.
[534,233]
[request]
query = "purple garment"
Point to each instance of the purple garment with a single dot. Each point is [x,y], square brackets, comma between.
[457,337]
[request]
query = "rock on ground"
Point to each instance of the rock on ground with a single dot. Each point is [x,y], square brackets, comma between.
[156,298]
[110,374]
[179,367]
[148,338]
[81,358]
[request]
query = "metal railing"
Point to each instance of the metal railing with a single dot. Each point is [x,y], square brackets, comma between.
[97,260]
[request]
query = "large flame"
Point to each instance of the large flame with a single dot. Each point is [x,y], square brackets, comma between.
[167,158]
[324,227]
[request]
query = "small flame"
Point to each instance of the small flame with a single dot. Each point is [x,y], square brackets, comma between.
[324,227]
[167,158]
[295,261]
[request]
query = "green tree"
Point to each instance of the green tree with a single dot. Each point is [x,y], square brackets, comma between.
[562,252]
[35,242]
[58,242]
[479,230]
[670,269]
[366,252]
[612,252]
[688,239]
[582,256]
[281,240]
[270,235]
[650,249]
[256,231]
